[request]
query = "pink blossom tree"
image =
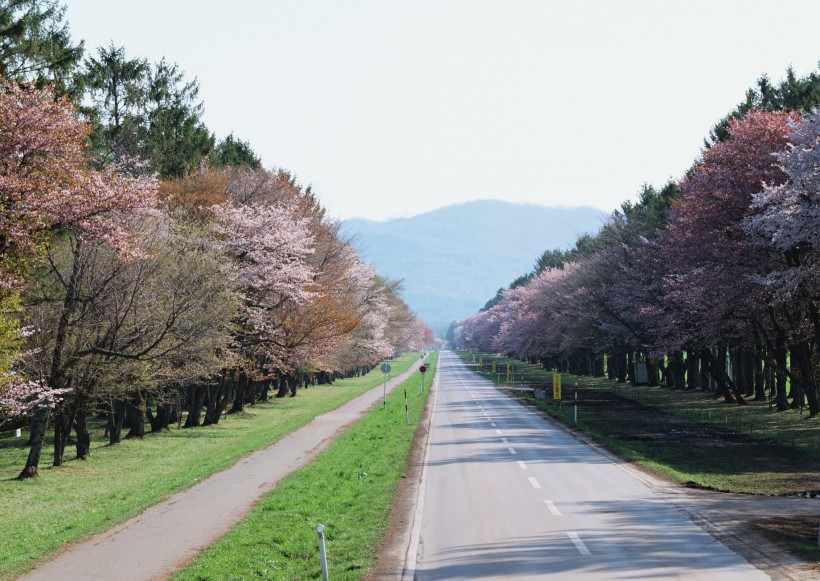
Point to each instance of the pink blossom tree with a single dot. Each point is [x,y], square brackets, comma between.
[711,294]
[47,185]
[785,223]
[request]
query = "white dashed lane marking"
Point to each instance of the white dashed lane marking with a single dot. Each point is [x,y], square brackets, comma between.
[553,509]
[579,544]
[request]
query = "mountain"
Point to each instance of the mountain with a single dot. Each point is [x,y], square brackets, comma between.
[454,259]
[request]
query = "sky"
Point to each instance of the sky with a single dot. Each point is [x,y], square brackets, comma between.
[394,108]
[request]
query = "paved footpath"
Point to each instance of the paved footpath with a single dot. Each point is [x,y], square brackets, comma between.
[154,544]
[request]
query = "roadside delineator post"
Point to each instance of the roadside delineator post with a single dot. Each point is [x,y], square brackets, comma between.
[406,408]
[321,530]
[575,406]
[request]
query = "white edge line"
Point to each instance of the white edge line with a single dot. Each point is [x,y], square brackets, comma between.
[534,483]
[522,465]
[553,509]
[579,544]
[409,572]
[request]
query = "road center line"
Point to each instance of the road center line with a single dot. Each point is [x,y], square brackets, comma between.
[492,424]
[498,432]
[522,465]
[579,544]
[553,509]
[512,451]
[504,440]
[534,483]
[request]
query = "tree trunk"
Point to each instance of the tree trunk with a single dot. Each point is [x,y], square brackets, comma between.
[759,377]
[239,399]
[717,370]
[37,433]
[116,418]
[283,386]
[195,410]
[135,410]
[692,369]
[56,378]
[220,396]
[263,396]
[63,422]
[802,354]
[83,444]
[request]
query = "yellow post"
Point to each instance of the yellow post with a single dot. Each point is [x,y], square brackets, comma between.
[556,386]
[493,365]
[509,372]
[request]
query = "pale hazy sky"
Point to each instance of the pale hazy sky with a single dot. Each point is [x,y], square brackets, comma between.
[394,108]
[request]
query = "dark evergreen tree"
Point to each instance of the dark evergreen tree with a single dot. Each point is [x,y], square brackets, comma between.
[231,152]
[35,44]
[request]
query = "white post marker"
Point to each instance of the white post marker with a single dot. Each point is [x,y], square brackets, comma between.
[575,406]
[19,432]
[321,530]
[385,369]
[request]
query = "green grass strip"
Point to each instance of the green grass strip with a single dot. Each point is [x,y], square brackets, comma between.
[349,488]
[82,498]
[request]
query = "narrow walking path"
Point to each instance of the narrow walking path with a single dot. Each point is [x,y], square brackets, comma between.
[154,544]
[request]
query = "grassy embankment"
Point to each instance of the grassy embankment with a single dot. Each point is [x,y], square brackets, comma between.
[85,497]
[689,436]
[349,488]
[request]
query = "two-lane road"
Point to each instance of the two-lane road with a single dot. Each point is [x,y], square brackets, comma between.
[507,495]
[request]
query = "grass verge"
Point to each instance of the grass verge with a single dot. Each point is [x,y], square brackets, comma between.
[82,498]
[349,488]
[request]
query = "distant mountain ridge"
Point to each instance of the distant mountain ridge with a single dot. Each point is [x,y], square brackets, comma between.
[454,259]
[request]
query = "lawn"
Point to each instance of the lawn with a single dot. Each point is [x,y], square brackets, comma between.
[349,488]
[85,497]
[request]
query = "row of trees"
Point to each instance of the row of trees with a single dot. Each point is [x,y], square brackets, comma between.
[723,266]
[146,271]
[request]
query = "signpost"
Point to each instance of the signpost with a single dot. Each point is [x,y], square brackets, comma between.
[423,370]
[385,369]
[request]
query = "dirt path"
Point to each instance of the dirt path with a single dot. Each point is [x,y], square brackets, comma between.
[168,535]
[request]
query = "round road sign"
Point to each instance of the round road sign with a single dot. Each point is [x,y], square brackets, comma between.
[385,368]
[423,369]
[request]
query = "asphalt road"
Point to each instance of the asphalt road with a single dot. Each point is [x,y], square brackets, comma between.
[507,495]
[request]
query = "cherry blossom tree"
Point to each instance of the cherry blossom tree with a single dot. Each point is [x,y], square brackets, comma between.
[47,185]
[711,297]
[786,224]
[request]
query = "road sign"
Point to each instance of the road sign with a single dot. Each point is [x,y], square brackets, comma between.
[385,368]
[423,369]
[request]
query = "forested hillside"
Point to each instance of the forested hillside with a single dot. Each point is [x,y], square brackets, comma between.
[452,258]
